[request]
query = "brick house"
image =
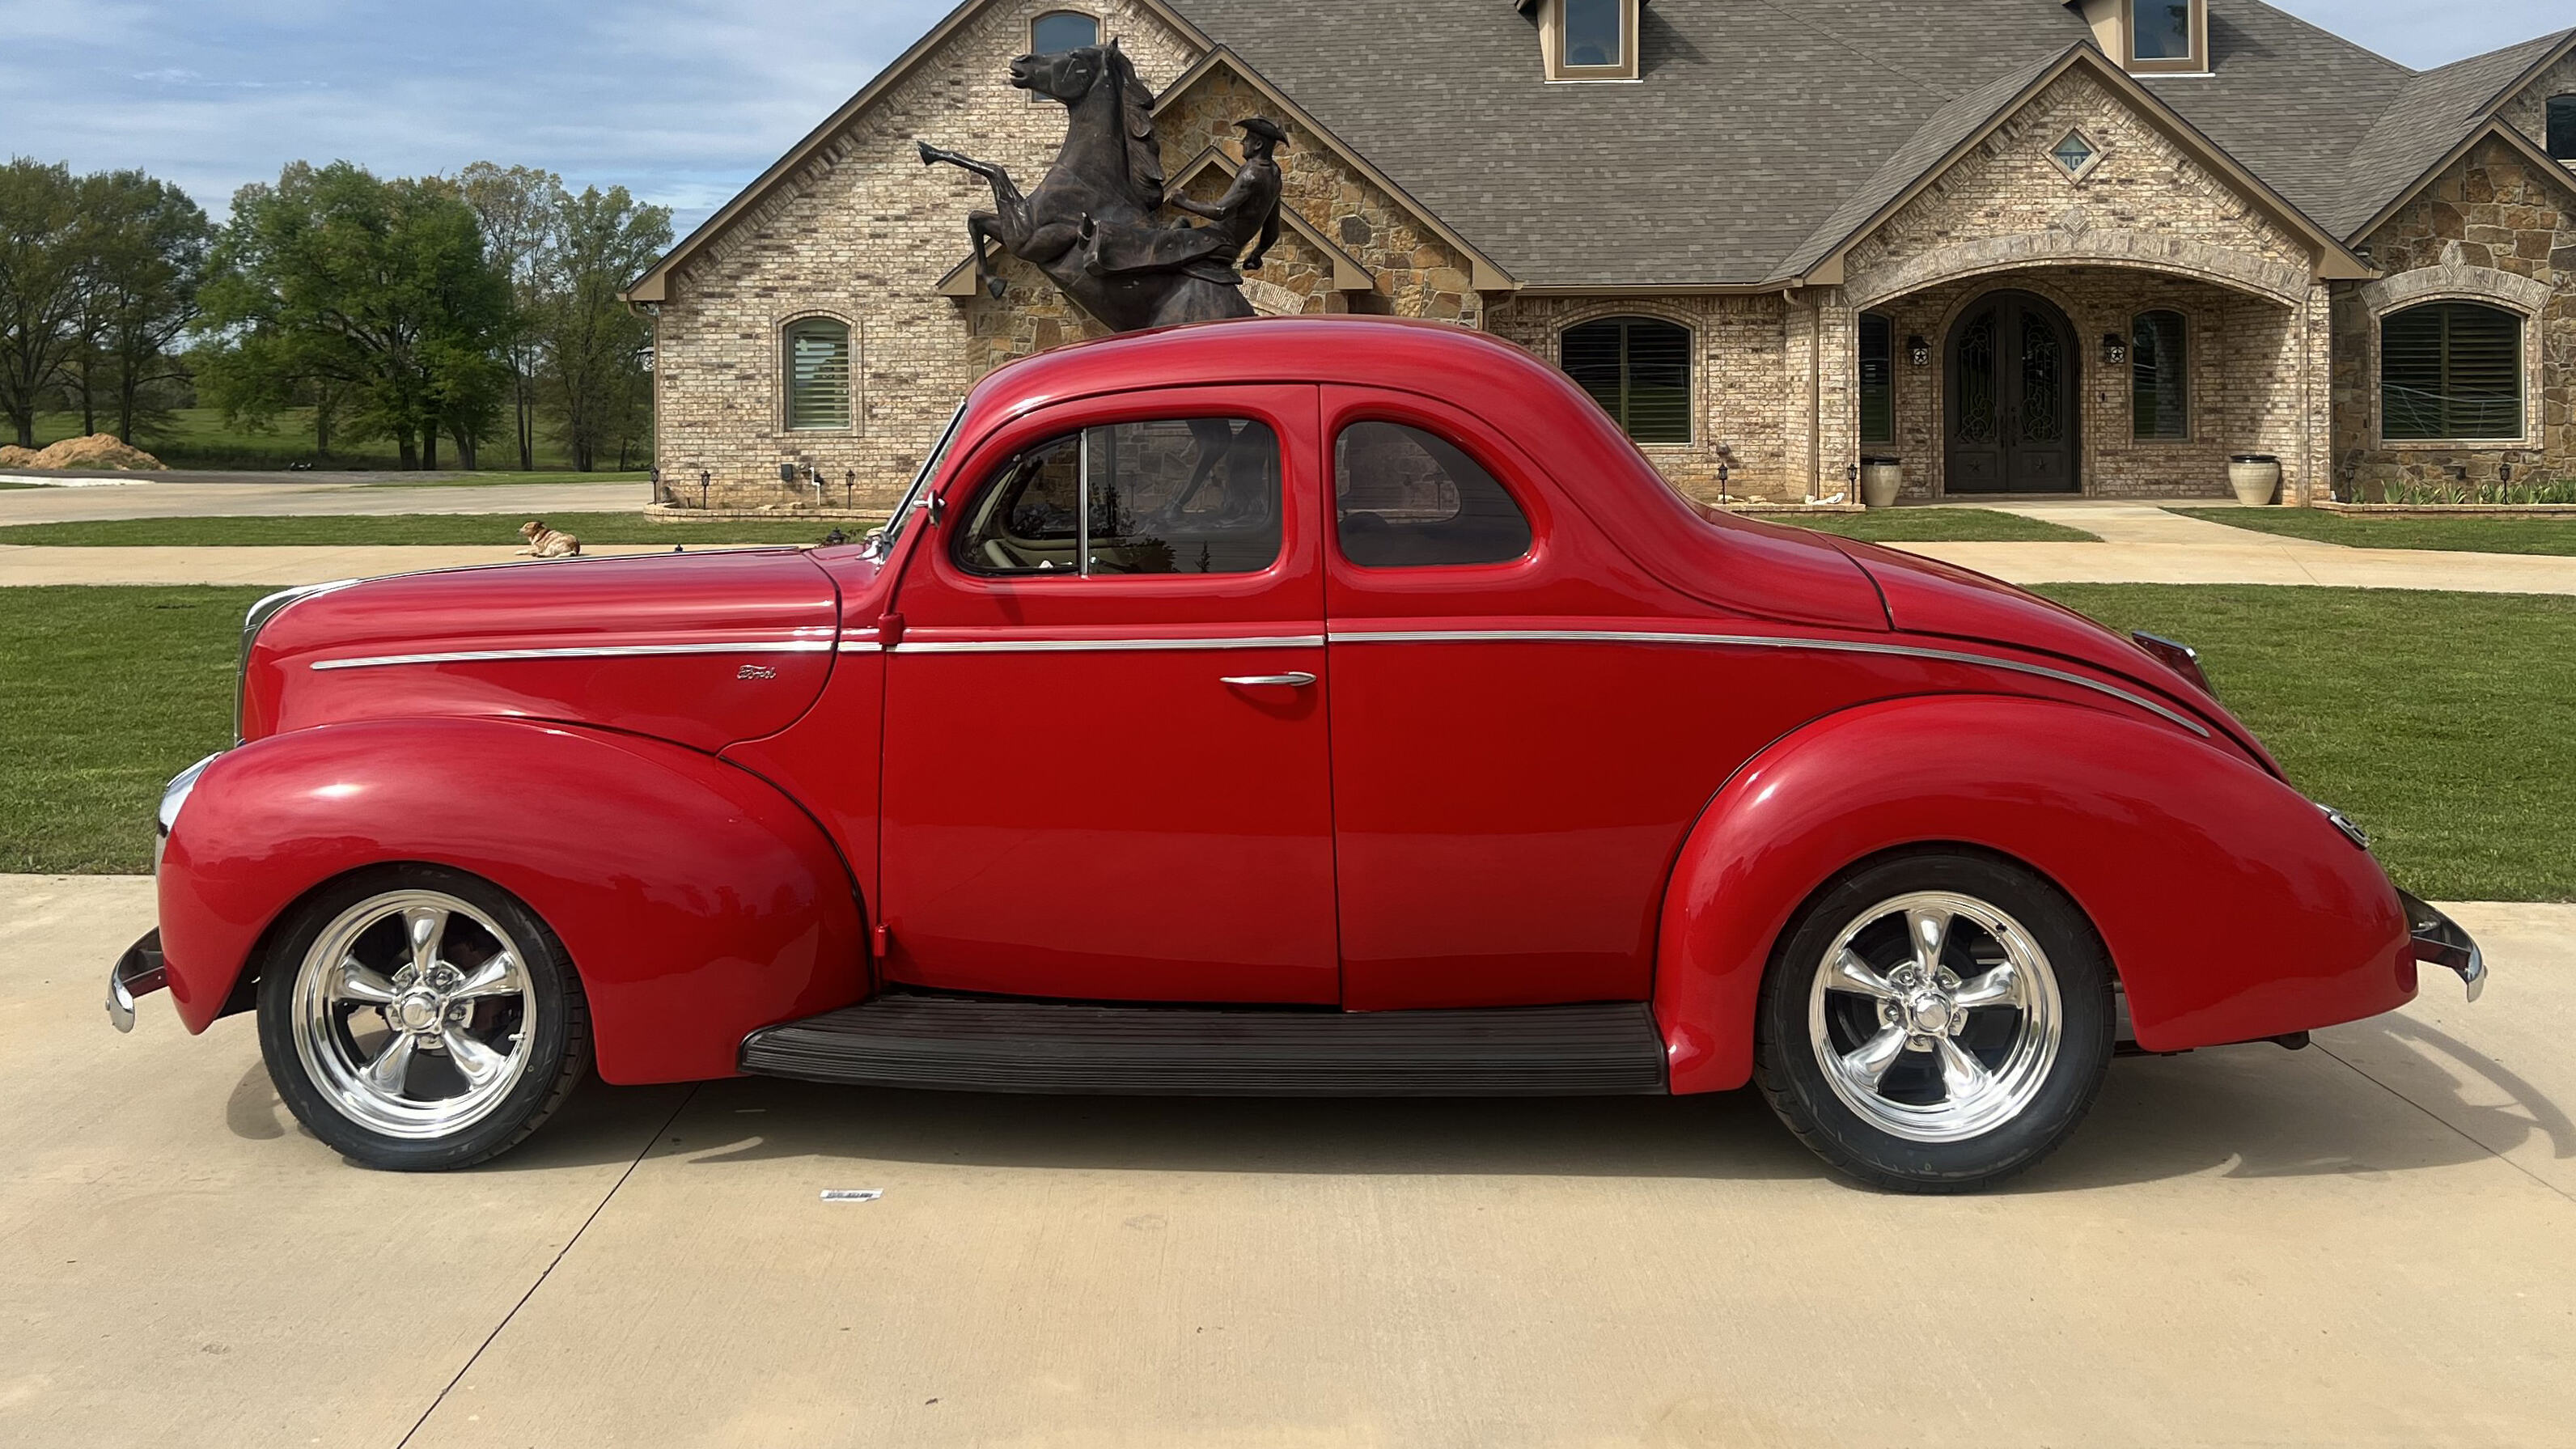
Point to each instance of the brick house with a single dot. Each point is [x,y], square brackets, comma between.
[2023,246]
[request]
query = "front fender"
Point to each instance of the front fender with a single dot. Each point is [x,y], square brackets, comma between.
[698,903]
[2231,907]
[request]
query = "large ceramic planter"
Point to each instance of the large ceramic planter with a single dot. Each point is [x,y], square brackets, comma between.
[2255,477]
[1881,479]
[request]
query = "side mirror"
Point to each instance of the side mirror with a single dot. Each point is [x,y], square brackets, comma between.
[933,506]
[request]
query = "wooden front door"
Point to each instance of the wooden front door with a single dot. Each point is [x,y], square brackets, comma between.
[2010,391]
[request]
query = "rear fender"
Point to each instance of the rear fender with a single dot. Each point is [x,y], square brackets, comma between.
[2231,907]
[697,901]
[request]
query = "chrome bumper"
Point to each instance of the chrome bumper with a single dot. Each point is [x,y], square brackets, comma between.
[2439,940]
[136,973]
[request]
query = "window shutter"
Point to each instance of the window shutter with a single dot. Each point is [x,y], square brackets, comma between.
[2484,373]
[1877,378]
[2450,370]
[1658,382]
[1638,369]
[2159,377]
[818,374]
[1590,355]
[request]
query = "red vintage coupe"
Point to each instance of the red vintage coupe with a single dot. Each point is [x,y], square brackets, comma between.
[1324,707]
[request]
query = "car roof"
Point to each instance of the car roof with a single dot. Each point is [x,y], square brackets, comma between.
[1415,355]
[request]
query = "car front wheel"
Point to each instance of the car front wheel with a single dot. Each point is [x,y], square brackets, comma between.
[418,1018]
[1936,1022]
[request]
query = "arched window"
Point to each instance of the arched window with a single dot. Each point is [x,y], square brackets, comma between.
[2450,370]
[818,373]
[1062,30]
[1638,369]
[2159,377]
[2562,128]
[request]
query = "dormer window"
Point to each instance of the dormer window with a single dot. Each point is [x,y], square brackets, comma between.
[2151,37]
[1589,40]
[2167,37]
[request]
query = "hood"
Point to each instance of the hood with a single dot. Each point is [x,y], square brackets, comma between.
[1927,596]
[702,649]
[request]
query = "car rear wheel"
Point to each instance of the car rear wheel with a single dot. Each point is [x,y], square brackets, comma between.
[418,1018]
[1936,1022]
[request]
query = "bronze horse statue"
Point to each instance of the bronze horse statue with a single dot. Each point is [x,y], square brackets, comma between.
[1107,178]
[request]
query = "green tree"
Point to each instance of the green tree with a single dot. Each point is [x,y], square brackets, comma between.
[590,345]
[43,276]
[147,261]
[518,207]
[334,276]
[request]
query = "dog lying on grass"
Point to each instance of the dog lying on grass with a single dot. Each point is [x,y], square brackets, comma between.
[544,542]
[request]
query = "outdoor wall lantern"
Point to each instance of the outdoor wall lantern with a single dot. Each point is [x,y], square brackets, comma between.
[787,474]
[1918,351]
[2115,348]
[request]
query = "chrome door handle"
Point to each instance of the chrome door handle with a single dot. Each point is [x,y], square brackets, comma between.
[1294,679]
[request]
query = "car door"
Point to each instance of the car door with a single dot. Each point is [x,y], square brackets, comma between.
[1106,770]
[1517,754]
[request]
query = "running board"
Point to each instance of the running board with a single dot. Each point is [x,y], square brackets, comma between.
[984,1044]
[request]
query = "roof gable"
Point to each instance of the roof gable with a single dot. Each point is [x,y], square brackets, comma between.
[653,285]
[2431,124]
[1956,130]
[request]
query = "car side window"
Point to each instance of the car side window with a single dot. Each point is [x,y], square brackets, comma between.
[1169,496]
[1407,498]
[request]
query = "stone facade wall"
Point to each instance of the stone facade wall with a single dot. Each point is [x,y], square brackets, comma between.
[2491,229]
[2528,111]
[2144,200]
[864,233]
[1748,388]
[2146,226]
[2228,341]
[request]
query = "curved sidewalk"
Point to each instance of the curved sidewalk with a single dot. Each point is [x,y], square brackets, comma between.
[2144,544]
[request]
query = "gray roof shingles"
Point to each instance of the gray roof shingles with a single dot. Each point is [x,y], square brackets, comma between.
[1759,126]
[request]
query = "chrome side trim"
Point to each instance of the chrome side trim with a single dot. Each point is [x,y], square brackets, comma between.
[1097,646]
[861,641]
[584,651]
[1765,641]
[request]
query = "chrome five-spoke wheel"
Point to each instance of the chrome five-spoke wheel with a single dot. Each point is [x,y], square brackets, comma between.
[1935,1021]
[1936,1017]
[414,1016]
[412,1011]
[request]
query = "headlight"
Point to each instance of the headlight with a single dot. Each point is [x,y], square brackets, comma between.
[173,796]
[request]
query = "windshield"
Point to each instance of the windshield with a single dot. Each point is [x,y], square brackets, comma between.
[883,539]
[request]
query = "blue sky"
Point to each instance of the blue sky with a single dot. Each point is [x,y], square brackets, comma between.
[681,101]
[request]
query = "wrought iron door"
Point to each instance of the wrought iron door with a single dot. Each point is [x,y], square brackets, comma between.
[2010,391]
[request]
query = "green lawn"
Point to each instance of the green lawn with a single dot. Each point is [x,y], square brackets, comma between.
[1934,525]
[105,693]
[2441,722]
[400,528]
[2472,535]
[199,438]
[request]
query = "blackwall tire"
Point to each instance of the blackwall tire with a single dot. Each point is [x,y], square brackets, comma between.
[1946,1079]
[417,1018]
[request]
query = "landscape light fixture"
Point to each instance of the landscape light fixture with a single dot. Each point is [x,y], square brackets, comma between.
[703,478]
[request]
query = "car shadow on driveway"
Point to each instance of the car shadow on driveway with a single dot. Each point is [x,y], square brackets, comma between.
[2250,1111]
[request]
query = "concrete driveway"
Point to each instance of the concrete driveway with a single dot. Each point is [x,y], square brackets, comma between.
[2368,1243]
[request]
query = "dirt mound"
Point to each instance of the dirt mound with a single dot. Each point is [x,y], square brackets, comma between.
[98,450]
[13,456]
